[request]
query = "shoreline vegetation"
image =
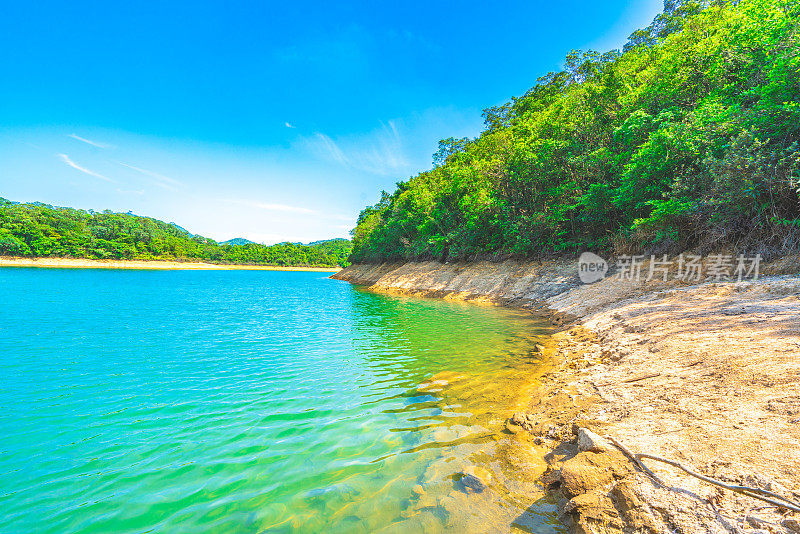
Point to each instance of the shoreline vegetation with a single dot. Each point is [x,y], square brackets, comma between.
[36,230]
[705,374]
[84,263]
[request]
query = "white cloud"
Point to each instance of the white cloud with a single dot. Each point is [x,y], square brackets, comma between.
[161,180]
[84,170]
[289,125]
[89,141]
[378,152]
[327,146]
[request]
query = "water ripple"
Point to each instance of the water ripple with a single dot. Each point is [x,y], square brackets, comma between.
[251,401]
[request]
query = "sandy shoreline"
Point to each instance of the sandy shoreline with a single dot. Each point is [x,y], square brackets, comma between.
[75,263]
[707,375]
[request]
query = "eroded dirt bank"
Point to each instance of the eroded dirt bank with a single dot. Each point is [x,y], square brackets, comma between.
[707,375]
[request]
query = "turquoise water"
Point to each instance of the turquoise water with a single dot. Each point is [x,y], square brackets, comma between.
[256,401]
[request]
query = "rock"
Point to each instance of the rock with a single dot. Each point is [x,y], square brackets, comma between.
[551,479]
[758,523]
[587,470]
[791,524]
[417,489]
[512,427]
[519,418]
[473,480]
[517,422]
[593,513]
[589,441]
[634,511]
[593,505]
[472,484]
[624,496]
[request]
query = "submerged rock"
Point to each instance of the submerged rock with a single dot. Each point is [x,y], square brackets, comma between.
[473,480]
[517,422]
[472,484]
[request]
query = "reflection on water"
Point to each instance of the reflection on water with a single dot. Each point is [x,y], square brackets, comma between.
[258,402]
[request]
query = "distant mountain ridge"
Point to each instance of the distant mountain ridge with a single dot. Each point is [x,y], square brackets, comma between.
[238,241]
[243,241]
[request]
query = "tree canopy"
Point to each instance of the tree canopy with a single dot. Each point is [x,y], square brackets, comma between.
[40,230]
[688,138]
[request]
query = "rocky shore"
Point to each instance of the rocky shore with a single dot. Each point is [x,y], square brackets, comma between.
[704,374]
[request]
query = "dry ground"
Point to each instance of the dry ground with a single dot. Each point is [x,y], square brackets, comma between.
[708,376]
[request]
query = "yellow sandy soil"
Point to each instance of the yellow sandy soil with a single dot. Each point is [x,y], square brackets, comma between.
[73,263]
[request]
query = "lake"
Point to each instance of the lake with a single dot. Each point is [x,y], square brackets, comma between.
[258,401]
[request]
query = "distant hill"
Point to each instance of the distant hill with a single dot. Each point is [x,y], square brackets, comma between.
[321,241]
[40,230]
[238,241]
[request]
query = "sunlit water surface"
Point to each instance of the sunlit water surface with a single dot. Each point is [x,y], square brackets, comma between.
[257,401]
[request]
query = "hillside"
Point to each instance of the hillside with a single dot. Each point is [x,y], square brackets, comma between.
[40,230]
[237,241]
[686,140]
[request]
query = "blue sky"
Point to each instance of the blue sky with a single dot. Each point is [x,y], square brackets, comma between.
[271,121]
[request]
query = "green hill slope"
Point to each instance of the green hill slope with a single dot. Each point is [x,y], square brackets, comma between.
[687,139]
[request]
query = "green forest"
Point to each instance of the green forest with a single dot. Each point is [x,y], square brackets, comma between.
[40,230]
[687,139]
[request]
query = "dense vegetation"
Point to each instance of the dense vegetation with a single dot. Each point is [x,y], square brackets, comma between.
[40,230]
[687,139]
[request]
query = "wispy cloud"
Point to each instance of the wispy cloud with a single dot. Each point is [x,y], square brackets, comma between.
[331,149]
[271,207]
[379,152]
[89,141]
[84,170]
[289,125]
[160,180]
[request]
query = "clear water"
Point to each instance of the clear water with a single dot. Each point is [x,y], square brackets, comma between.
[256,401]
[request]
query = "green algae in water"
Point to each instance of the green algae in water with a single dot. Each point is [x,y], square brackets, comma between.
[257,401]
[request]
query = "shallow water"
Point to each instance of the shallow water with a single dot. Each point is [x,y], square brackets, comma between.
[257,401]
